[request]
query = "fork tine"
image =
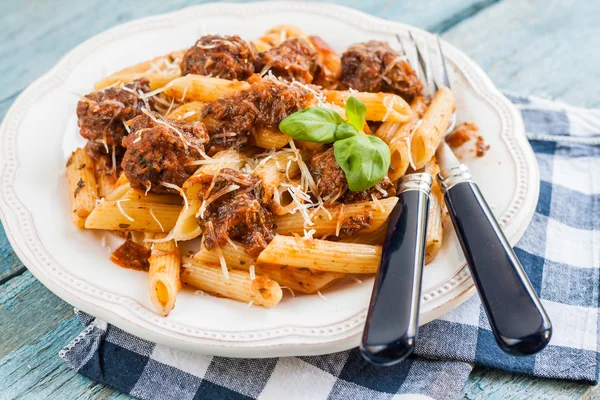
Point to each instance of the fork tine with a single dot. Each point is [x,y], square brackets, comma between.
[422,63]
[445,79]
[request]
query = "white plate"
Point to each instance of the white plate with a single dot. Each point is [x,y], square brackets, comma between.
[40,131]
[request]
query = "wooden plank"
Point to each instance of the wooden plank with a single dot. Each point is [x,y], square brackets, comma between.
[484,384]
[10,265]
[35,326]
[544,47]
[31,51]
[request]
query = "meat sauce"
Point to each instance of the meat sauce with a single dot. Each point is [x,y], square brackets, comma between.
[465,132]
[132,256]
[231,120]
[375,67]
[226,57]
[162,152]
[237,214]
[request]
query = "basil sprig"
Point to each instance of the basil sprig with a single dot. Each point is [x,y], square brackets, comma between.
[365,159]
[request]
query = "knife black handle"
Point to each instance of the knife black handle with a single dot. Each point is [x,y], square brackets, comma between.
[391,327]
[517,318]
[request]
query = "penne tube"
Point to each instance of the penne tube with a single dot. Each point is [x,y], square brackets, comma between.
[276,169]
[321,255]
[280,33]
[419,106]
[261,46]
[428,135]
[269,139]
[130,215]
[397,136]
[235,256]
[435,232]
[187,226]
[330,222]
[380,106]
[163,275]
[191,111]
[377,237]
[139,196]
[81,179]
[261,291]
[203,88]
[302,280]
[159,71]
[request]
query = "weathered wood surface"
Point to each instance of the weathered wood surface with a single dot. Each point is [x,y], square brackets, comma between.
[532,46]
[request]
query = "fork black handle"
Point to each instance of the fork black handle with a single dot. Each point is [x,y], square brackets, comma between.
[392,321]
[516,315]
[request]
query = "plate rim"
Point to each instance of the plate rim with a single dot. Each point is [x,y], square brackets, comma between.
[291,340]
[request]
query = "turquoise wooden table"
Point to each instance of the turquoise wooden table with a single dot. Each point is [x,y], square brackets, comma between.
[538,47]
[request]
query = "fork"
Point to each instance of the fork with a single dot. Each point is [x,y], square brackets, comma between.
[518,320]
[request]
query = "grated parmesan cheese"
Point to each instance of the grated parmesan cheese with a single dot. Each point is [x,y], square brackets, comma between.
[340,218]
[321,295]
[180,190]
[123,211]
[252,272]
[377,202]
[156,219]
[290,289]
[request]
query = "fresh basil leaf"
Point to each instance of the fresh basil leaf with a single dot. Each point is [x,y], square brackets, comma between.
[364,159]
[345,130]
[313,124]
[355,112]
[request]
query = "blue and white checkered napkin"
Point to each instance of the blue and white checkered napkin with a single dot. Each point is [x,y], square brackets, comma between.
[560,252]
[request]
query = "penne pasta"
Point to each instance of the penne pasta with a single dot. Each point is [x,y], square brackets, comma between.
[163,275]
[269,139]
[129,215]
[159,71]
[428,135]
[278,34]
[435,233]
[203,88]
[380,106]
[191,111]
[81,179]
[377,237]
[261,45]
[261,291]
[330,222]
[397,136]
[139,196]
[322,255]
[302,280]
[276,169]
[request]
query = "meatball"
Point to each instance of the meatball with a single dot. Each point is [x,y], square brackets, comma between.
[237,214]
[161,152]
[332,184]
[375,67]
[330,178]
[231,120]
[293,59]
[102,115]
[227,57]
